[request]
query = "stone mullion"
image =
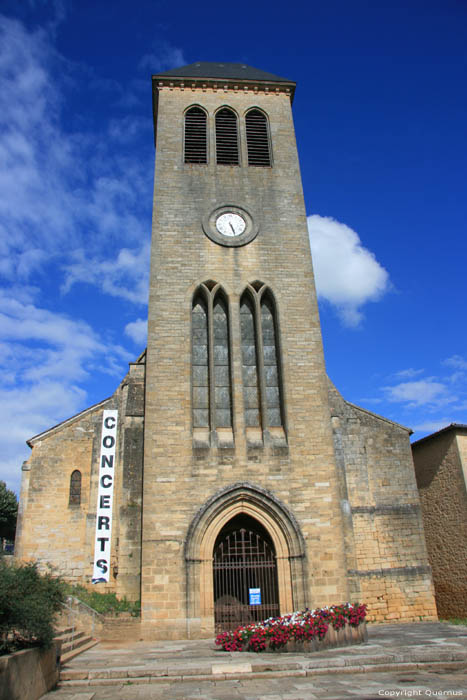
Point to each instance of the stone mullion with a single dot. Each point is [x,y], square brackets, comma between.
[260,363]
[211,377]
[230,356]
[279,366]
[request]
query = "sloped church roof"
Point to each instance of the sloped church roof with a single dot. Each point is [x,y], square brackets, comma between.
[227,71]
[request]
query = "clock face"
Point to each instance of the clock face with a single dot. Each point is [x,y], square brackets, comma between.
[230,224]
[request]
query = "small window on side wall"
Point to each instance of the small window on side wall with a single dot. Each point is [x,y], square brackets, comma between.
[75,488]
[196,136]
[257,139]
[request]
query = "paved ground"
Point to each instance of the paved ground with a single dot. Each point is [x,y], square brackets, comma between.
[399,661]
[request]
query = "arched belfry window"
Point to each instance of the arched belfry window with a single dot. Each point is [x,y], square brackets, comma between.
[196,136]
[257,139]
[226,137]
[211,361]
[261,367]
[75,488]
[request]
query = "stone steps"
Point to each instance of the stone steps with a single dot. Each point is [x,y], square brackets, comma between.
[152,674]
[87,644]
[74,642]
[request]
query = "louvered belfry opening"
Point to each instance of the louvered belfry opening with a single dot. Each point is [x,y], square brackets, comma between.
[257,139]
[244,561]
[226,137]
[195,136]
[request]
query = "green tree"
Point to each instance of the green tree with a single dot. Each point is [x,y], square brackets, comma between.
[29,603]
[8,512]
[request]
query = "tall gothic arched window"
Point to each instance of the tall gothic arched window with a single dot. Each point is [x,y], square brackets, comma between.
[251,390]
[75,488]
[196,150]
[200,359]
[261,367]
[257,139]
[211,359]
[227,152]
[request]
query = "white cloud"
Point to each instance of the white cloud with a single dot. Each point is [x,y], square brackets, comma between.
[83,192]
[456,361]
[126,276]
[124,130]
[74,209]
[137,331]
[424,401]
[347,274]
[32,151]
[431,426]
[162,58]
[409,373]
[26,411]
[423,392]
[44,357]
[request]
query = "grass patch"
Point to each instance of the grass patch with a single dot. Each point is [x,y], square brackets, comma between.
[104,603]
[456,621]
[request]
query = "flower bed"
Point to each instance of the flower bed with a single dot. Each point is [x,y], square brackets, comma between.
[299,630]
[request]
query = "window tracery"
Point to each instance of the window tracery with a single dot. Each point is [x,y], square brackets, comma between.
[211,371]
[262,388]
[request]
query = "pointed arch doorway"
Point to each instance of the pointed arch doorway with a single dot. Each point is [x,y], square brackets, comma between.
[244,574]
[217,516]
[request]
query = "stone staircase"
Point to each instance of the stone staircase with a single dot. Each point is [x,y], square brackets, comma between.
[74,642]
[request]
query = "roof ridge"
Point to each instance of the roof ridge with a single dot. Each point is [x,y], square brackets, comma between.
[222,70]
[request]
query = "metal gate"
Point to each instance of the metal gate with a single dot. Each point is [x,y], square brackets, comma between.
[244,561]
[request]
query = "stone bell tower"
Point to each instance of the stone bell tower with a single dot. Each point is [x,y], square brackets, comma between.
[237,420]
[244,486]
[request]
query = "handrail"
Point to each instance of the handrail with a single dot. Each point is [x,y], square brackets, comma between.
[72,625]
[86,609]
[85,605]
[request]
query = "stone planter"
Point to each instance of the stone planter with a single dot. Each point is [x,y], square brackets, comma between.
[345,636]
[30,673]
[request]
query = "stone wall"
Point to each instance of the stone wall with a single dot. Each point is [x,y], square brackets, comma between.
[58,534]
[386,552]
[30,673]
[440,464]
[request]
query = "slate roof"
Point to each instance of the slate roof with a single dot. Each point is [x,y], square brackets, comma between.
[228,71]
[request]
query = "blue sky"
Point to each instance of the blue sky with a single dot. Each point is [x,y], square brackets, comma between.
[380,114]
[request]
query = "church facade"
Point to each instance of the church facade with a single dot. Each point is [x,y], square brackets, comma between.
[242,484]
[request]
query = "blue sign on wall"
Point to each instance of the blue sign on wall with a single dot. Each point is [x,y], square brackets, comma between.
[255,596]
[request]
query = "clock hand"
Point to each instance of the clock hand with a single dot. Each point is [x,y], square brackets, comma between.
[233,230]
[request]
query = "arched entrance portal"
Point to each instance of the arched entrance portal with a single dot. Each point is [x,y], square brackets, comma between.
[244,574]
[252,508]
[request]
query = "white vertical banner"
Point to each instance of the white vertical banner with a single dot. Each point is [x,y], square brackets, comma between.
[105,497]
